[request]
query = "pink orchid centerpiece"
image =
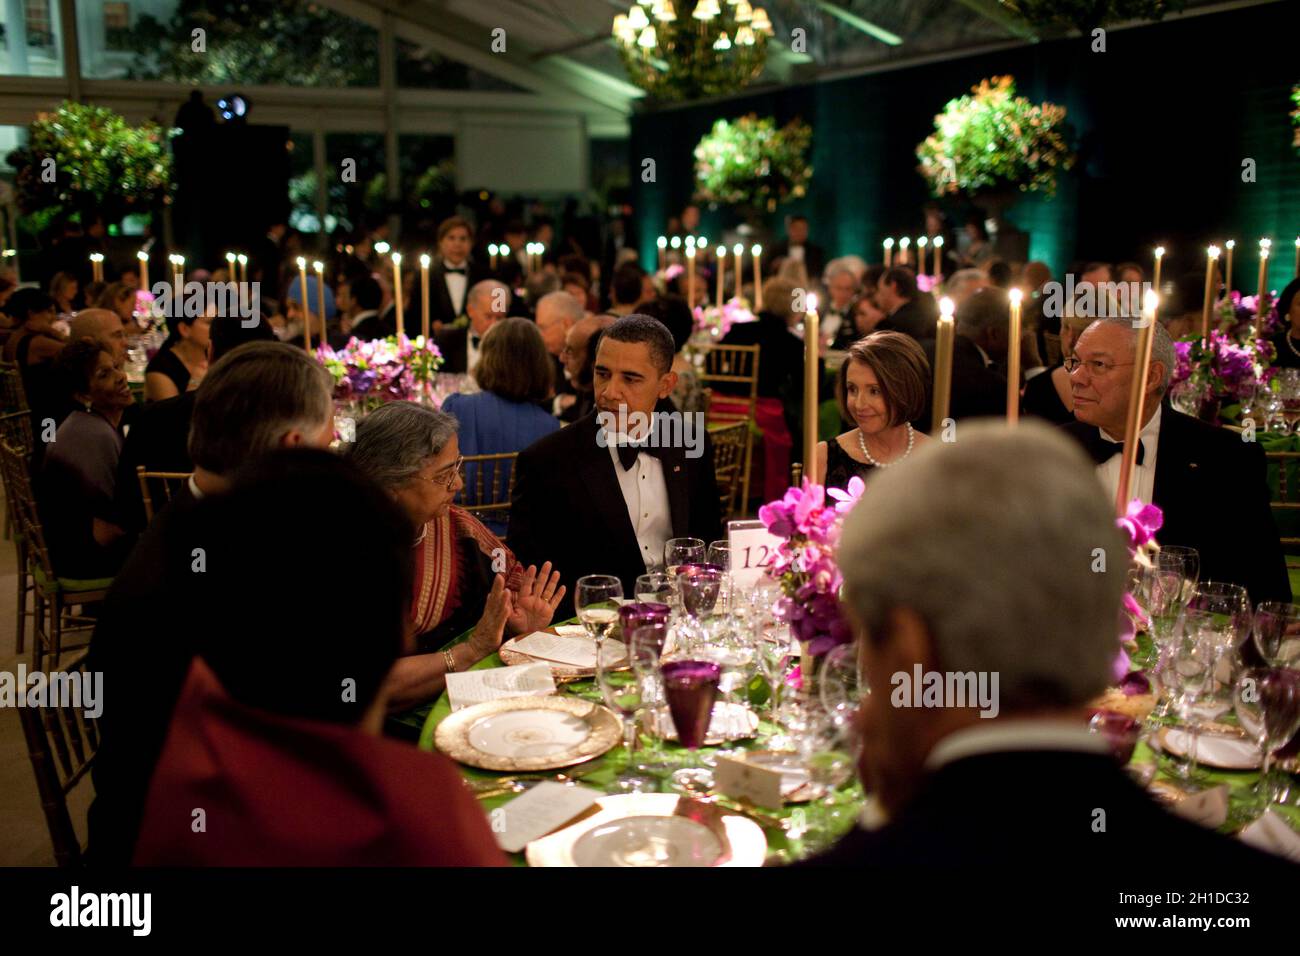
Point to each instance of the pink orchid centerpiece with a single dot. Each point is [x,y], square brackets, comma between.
[805,562]
[715,321]
[395,369]
[1140,522]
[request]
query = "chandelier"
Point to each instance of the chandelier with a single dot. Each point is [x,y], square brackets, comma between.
[709,48]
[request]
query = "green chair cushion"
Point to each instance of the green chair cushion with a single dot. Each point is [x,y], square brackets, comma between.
[71,585]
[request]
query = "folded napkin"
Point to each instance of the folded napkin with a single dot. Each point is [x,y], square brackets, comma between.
[522,680]
[1273,835]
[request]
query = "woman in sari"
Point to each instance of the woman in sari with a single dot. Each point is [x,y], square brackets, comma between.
[465,576]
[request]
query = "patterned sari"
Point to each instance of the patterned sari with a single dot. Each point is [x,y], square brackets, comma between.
[453,576]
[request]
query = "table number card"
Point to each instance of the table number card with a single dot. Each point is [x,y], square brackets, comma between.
[541,810]
[753,549]
[740,779]
[522,680]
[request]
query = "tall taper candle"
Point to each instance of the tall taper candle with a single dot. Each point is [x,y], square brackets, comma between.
[943,343]
[1211,266]
[97,266]
[1297,257]
[1155,277]
[811,340]
[424,295]
[938,256]
[902,250]
[921,243]
[889,253]
[739,250]
[243,267]
[662,243]
[1013,358]
[757,252]
[231,268]
[144,270]
[397,290]
[690,276]
[319,268]
[1136,397]
[492,251]
[306,326]
[1264,245]
[1227,268]
[720,254]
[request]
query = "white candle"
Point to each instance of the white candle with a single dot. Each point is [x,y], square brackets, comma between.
[811,335]
[757,252]
[1211,264]
[720,254]
[397,290]
[889,253]
[306,326]
[1013,358]
[424,293]
[943,345]
[739,250]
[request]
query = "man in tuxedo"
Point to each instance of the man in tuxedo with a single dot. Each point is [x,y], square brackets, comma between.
[486,304]
[365,322]
[1209,482]
[796,246]
[972,566]
[604,495]
[450,279]
[257,398]
[907,309]
[978,387]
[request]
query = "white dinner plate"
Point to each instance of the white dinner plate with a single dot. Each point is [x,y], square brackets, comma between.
[1214,750]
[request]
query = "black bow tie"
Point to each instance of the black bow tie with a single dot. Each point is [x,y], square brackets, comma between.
[460,271]
[1103,450]
[474,340]
[627,454]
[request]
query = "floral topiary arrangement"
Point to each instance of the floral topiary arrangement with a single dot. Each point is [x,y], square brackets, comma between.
[750,162]
[992,140]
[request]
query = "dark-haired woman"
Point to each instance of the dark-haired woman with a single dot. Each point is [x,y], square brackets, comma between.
[1287,341]
[79,474]
[181,362]
[881,389]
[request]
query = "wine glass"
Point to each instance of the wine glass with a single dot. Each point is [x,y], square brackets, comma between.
[1228,603]
[596,600]
[1267,703]
[1194,658]
[840,682]
[691,688]
[1187,561]
[726,644]
[1277,633]
[699,585]
[624,693]
[679,551]
[1120,732]
[654,588]
[719,554]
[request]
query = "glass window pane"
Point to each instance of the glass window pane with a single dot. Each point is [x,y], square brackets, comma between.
[428,170]
[30,38]
[353,204]
[244,43]
[303,214]
[419,68]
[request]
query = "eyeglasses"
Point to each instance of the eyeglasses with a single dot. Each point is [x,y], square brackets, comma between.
[446,476]
[1096,367]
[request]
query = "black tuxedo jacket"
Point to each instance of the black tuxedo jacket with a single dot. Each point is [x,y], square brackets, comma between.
[441,308]
[977,390]
[814,257]
[1212,488]
[452,342]
[915,317]
[975,813]
[568,507]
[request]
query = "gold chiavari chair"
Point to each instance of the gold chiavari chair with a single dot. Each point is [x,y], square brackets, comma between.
[489,482]
[729,443]
[1286,503]
[167,483]
[731,366]
[16,430]
[61,741]
[54,596]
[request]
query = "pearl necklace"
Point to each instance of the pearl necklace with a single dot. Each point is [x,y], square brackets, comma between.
[862,443]
[1291,346]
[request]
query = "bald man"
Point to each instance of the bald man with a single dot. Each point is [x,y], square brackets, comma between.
[102,326]
[487,303]
[578,356]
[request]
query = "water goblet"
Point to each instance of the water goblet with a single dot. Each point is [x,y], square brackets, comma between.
[679,551]
[1277,633]
[596,600]
[654,588]
[1228,603]
[1267,704]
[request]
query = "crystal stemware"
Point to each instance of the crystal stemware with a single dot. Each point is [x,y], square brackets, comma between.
[596,600]
[1267,704]
[1228,603]
[691,688]
[1277,633]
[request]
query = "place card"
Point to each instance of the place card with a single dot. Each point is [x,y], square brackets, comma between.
[1209,808]
[571,630]
[523,680]
[743,780]
[541,810]
[753,549]
[1271,834]
[573,651]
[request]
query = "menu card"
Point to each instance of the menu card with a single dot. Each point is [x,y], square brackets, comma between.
[539,811]
[522,680]
[573,651]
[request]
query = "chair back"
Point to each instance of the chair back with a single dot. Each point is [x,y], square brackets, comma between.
[729,444]
[730,366]
[13,397]
[1285,501]
[489,482]
[160,484]
[22,506]
[61,741]
[16,429]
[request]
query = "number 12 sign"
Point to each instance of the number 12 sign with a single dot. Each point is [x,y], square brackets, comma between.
[753,549]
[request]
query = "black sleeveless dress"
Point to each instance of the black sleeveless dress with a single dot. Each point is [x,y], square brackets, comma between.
[840,467]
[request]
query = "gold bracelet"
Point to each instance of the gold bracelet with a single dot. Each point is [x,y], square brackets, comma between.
[450,661]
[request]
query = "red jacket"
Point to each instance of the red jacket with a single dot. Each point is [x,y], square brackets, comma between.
[282,791]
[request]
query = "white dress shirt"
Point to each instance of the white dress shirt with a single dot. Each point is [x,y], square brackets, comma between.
[795,253]
[645,492]
[1144,475]
[1000,736]
[456,285]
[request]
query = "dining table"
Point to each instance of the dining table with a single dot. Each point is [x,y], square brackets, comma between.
[795,831]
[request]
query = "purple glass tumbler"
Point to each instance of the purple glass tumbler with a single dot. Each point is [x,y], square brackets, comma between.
[691,687]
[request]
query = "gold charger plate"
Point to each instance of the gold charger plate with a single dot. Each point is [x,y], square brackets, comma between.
[528,733]
[653,829]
